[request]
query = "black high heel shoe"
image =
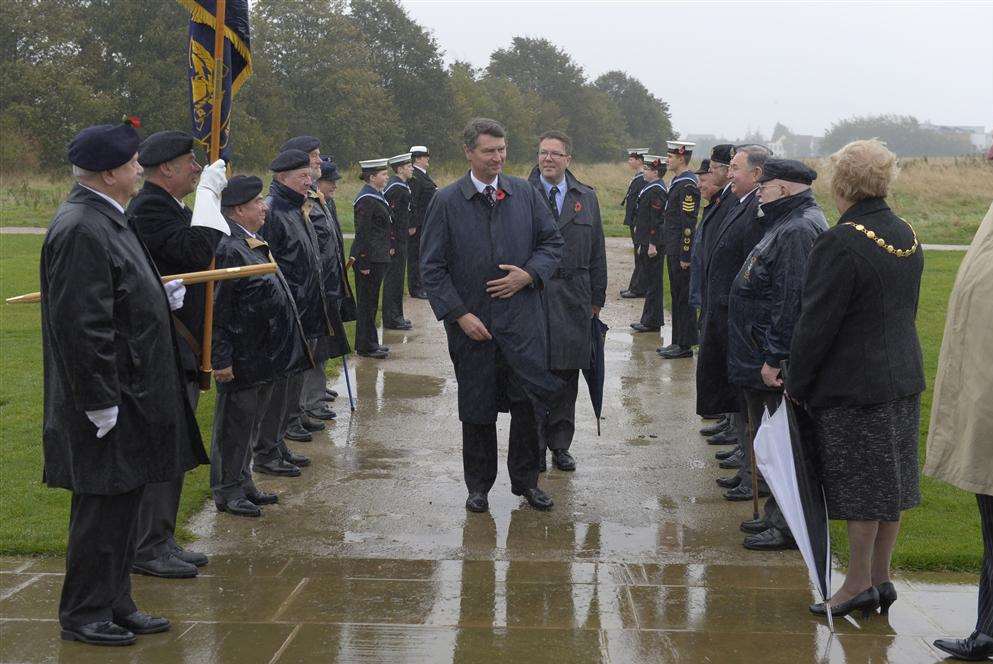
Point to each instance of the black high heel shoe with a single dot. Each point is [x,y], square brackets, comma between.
[887,595]
[866,601]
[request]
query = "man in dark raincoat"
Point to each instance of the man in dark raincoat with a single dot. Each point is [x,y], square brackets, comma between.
[422,189]
[636,162]
[576,291]
[397,193]
[257,340]
[116,416]
[177,244]
[490,244]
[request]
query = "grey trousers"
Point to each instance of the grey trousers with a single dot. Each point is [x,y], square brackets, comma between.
[315,385]
[756,401]
[155,532]
[237,426]
[284,401]
[558,426]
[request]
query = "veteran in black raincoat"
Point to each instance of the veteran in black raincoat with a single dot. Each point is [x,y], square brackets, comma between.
[474,226]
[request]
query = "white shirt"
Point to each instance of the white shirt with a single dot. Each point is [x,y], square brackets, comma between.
[745,197]
[420,169]
[117,206]
[250,233]
[480,185]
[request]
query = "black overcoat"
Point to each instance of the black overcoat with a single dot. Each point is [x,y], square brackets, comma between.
[735,237]
[580,281]
[465,239]
[765,296]
[649,219]
[108,340]
[257,331]
[422,189]
[706,230]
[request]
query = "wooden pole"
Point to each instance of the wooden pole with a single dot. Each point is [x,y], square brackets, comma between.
[215,153]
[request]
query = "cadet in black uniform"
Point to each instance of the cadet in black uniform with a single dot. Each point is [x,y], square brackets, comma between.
[373,248]
[648,242]
[682,206]
[636,162]
[422,189]
[398,195]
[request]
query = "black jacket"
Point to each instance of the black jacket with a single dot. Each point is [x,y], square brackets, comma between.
[375,236]
[257,331]
[856,340]
[108,340]
[399,196]
[682,206]
[649,218]
[329,245]
[580,281]
[630,202]
[715,212]
[765,296]
[422,189]
[176,247]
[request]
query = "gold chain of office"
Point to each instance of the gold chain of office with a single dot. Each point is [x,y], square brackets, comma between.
[881,243]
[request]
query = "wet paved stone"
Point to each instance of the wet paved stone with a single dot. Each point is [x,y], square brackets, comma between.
[371,557]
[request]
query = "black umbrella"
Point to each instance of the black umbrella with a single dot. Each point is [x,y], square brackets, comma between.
[595,374]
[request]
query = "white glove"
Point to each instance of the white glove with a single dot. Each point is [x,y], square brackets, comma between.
[176,292]
[104,419]
[207,202]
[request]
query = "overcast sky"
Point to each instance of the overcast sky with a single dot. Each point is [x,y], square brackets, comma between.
[729,67]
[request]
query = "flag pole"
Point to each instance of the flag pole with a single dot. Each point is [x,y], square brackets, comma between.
[215,153]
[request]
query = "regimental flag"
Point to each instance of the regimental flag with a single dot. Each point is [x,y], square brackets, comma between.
[237,64]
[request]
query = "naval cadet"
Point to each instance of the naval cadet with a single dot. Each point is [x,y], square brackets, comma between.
[116,414]
[397,193]
[682,206]
[373,249]
[422,189]
[648,239]
[636,162]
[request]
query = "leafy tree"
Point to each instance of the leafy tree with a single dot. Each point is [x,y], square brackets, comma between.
[780,131]
[646,117]
[904,135]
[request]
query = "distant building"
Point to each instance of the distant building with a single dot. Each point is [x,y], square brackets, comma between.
[796,146]
[979,138]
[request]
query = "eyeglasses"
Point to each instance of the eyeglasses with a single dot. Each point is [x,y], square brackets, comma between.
[551,153]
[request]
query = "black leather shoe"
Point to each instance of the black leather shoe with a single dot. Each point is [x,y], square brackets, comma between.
[772,539]
[536,498]
[103,633]
[191,557]
[715,428]
[753,526]
[263,498]
[477,502]
[866,601]
[724,454]
[677,353]
[638,327]
[165,567]
[312,425]
[322,413]
[713,416]
[142,623]
[331,394]
[374,354]
[240,507]
[403,326]
[887,595]
[298,433]
[976,648]
[743,492]
[630,295]
[385,349]
[726,437]
[728,482]
[419,295]
[277,467]
[562,460]
[297,460]
[733,462]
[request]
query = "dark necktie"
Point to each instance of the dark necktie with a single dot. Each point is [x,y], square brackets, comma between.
[553,195]
[488,195]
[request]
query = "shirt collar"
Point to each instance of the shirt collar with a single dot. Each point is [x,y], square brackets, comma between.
[117,206]
[548,185]
[250,233]
[480,185]
[745,197]
[422,170]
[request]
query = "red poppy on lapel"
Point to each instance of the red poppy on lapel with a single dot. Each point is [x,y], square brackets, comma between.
[501,194]
[133,120]
[579,206]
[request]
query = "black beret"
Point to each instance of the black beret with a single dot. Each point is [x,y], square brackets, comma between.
[104,147]
[790,170]
[722,153]
[163,146]
[289,160]
[305,143]
[240,189]
[704,167]
[329,170]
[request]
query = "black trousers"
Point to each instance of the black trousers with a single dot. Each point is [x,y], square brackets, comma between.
[755,402]
[558,426]
[636,284]
[396,271]
[651,313]
[283,404]
[479,451]
[984,623]
[414,262]
[156,534]
[684,327]
[97,584]
[367,287]
[237,427]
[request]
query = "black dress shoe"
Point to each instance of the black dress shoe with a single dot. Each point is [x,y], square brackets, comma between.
[733,462]
[562,460]
[165,567]
[728,482]
[398,325]
[753,526]
[103,633]
[536,498]
[887,595]
[630,295]
[714,416]
[191,557]
[385,349]
[374,354]
[332,394]
[866,601]
[419,295]
[638,327]
[716,428]
[263,498]
[322,413]
[298,433]
[142,623]
[743,492]
[277,467]
[724,454]
[240,507]
[677,353]
[312,425]
[976,648]
[772,539]
[298,460]
[726,437]
[477,502]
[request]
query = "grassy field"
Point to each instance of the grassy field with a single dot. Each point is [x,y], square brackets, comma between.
[944,199]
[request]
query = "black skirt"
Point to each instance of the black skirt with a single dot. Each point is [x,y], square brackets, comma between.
[868,458]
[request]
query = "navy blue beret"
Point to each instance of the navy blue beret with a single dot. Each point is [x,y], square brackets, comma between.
[704,167]
[722,153]
[329,170]
[289,160]
[790,170]
[163,146]
[104,147]
[241,189]
[305,143]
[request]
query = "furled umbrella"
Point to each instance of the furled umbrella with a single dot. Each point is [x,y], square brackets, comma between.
[595,374]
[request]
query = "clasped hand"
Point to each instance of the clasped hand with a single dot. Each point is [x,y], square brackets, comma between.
[505,287]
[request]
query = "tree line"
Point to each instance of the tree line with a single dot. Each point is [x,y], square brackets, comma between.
[362,75]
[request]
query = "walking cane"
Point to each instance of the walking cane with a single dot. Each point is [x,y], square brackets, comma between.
[348,382]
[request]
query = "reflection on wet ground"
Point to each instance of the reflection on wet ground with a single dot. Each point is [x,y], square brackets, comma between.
[371,557]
